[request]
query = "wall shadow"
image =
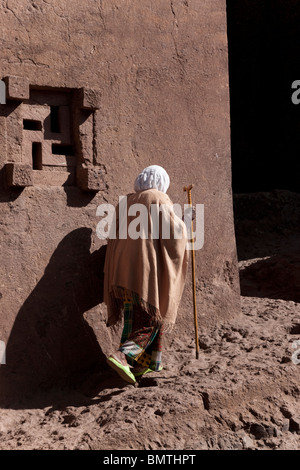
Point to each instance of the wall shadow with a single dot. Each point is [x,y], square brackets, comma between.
[76,197]
[7,194]
[51,345]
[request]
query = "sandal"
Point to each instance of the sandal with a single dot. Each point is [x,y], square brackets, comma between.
[123,371]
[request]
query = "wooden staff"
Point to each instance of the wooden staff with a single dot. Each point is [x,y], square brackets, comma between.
[188,189]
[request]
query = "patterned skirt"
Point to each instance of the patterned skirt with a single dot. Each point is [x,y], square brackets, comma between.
[141,339]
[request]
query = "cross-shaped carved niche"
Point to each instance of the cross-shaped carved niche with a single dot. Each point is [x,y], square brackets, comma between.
[49,136]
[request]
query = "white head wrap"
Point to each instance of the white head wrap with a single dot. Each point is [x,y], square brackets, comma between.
[152,177]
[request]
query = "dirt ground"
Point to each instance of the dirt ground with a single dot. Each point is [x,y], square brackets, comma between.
[242,393]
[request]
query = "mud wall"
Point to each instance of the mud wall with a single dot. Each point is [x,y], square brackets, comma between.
[96,91]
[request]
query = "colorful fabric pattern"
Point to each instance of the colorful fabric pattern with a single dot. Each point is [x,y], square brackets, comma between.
[141,340]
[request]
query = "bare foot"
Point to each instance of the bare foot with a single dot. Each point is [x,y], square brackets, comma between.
[120,357]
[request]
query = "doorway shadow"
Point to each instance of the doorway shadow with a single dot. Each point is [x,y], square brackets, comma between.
[51,345]
[263,51]
[275,277]
[267,235]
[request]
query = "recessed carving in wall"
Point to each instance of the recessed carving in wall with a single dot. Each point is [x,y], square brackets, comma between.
[49,136]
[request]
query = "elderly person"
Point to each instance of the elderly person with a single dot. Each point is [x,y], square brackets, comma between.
[144,276]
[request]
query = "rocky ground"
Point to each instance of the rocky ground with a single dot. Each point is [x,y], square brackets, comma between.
[242,393]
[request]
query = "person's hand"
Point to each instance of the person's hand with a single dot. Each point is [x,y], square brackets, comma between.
[190,214]
[193,212]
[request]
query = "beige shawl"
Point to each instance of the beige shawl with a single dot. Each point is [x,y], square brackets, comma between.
[152,270]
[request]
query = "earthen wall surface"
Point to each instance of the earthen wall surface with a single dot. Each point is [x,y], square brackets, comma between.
[132,84]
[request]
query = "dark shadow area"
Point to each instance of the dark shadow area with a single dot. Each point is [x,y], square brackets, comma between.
[8,108]
[62,401]
[264,50]
[267,229]
[267,224]
[277,277]
[264,47]
[51,345]
[8,194]
[76,197]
